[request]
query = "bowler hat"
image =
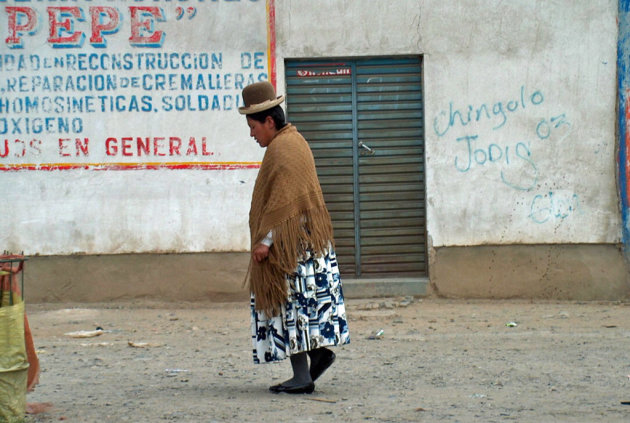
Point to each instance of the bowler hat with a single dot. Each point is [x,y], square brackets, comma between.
[259,96]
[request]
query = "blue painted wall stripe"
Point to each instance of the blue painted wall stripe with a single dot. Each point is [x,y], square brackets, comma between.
[623,67]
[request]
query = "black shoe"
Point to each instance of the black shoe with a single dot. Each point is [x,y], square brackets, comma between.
[320,367]
[297,389]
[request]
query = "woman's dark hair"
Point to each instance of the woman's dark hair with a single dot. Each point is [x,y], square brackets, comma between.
[276,113]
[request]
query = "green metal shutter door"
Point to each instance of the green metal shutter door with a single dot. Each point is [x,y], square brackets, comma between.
[376,200]
[391,181]
[319,103]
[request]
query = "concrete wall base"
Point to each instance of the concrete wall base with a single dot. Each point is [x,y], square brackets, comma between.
[162,277]
[565,272]
[371,288]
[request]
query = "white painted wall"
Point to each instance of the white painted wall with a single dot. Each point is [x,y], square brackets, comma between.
[543,171]
[560,187]
[100,209]
[552,63]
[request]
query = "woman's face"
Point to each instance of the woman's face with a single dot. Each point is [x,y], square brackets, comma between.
[262,132]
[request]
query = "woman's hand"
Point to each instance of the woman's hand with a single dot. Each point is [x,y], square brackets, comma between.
[260,253]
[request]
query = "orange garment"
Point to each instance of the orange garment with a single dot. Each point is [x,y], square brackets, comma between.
[33,361]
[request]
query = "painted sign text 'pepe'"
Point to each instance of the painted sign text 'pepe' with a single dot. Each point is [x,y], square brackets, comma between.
[106,80]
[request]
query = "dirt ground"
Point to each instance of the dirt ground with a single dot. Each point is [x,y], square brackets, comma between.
[435,361]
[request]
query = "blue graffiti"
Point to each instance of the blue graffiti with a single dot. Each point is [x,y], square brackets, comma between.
[554,206]
[515,156]
[545,127]
[496,112]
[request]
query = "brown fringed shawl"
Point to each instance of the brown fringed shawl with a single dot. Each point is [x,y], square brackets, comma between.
[287,199]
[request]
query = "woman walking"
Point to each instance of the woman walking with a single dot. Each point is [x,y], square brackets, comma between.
[297,301]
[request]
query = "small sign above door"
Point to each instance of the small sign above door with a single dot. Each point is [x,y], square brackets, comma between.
[304,73]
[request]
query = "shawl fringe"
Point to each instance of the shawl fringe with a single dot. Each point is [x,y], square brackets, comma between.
[288,201]
[311,230]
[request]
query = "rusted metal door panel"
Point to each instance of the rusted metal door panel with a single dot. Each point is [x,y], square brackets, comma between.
[364,121]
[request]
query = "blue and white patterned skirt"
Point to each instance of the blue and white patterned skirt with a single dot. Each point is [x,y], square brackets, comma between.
[313,317]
